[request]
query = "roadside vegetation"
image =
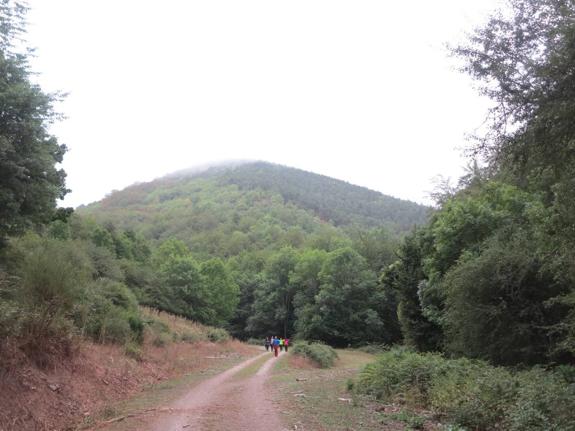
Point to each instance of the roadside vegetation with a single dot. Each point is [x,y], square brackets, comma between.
[472,394]
[313,398]
[322,355]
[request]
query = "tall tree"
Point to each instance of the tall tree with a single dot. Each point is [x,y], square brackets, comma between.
[30,180]
[345,308]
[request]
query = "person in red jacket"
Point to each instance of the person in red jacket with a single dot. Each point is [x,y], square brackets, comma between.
[276,346]
[286,344]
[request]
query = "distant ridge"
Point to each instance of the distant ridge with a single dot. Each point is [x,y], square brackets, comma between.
[251,199]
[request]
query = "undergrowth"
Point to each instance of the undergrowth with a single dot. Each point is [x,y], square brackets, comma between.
[55,292]
[474,394]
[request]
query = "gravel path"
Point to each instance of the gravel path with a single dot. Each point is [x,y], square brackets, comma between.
[223,403]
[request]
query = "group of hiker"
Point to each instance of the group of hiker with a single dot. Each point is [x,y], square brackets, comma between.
[276,344]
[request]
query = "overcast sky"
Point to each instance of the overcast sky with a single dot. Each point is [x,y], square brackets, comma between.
[362,91]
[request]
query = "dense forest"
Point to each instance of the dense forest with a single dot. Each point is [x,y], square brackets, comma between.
[251,206]
[290,240]
[492,275]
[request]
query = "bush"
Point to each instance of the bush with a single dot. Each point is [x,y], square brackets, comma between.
[51,278]
[161,340]
[132,350]
[217,335]
[474,394]
[401,373]
[545,401]
[321,354]
[255,341]
[190,337]
[109,313]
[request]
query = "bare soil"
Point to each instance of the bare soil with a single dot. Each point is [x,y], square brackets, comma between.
[76,390]
[226,403]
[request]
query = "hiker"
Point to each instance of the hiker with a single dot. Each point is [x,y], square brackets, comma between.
[276,346]
[281,344]
[286,344]
[267,343]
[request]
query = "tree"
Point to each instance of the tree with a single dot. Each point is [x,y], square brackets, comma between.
[405,277]
[273,304]
[30,181]
[523,61]
[344,310]
[222,292]
[498,306]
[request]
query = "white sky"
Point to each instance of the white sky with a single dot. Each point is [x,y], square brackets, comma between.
[362,91]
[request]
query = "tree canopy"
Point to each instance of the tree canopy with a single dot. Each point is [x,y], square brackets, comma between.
[30,180]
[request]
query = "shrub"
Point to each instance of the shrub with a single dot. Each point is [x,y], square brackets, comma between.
[217,335]
[51,277]
[545,401]
[162,339]
[47,278]
[109,313]
[133,350]
[400,373]
[321,354]
[114,328]
[190,337]
[474,394]
[158,326]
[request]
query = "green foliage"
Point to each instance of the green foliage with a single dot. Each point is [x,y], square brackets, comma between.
[30,181]
[222,292]
[545,401]
[203,292]
[482,279]
[50,279]
[321,354]
[337,201]
[259,249]
[404,277]
[344,309]
[109,313]
[273,300]
[472,394]
[59,288]
[497,305]
[401,373]
[224,212]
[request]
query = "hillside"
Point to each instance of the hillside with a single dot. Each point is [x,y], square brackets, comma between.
[250,206]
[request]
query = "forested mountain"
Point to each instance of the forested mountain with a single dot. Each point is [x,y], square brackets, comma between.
[251,206]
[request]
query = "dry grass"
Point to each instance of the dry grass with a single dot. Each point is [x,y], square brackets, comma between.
[175,324]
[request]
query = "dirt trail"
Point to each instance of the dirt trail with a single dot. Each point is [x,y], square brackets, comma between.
[225,403]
